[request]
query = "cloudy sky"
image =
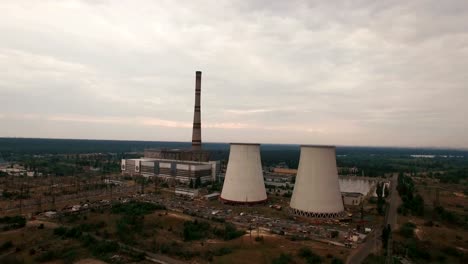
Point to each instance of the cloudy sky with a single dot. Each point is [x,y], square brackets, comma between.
[391,73]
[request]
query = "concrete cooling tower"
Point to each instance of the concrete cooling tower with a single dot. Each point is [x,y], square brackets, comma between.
[317,191]
[244,183]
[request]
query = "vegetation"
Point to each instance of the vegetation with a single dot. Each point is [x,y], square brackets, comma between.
[386,232]
[407,230]
[380,199]
[67,255]
[449,217]
[283,259]
[68,232]
[413,203]
[454,175]
[12,222]
[99,248]
[6,245]
[229,232]
[196,230]
[337,261]
[135,208]
[373,161]
[309,256]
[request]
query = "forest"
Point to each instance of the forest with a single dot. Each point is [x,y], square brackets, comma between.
[448,165]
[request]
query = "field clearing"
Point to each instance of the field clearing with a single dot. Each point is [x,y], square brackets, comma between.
[166,228]
[249,251]
[34,242]
[451,196]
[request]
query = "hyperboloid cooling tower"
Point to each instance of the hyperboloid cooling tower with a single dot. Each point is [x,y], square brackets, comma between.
[244,177]
[317,191]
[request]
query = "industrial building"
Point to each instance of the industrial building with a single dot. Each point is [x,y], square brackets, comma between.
[243,183]
[181,165]
[181,171]
[352,198]
[316,191]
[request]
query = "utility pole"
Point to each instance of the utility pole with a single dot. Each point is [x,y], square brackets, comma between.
[111,187]
[39,204]
[52,192]
[21,198]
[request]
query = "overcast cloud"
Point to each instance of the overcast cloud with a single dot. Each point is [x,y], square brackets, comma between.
[366,72]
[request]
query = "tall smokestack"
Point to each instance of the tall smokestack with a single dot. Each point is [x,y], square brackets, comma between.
[196,133]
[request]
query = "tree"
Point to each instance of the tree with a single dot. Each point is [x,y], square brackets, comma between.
[385,236]
[380,199]
[191,185]
[197,182]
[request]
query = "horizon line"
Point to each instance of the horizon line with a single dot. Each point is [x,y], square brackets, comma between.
[227,143]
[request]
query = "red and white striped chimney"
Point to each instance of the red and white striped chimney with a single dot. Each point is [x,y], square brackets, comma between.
[196,133]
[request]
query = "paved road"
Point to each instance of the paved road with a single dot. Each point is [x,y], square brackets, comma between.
[395,201]
[373,242]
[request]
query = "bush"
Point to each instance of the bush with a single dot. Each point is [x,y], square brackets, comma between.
[222,251]
[47,256]
[136,208]
[127,226]
[451,251]
[195,230]
[87,240]
[337,261]
[7,245]
[407,230]
[67,232]
[60,231]
[12,260]
[416,251]
[101,248]
[229,232]
[309,256]
[283,259]
[12,222]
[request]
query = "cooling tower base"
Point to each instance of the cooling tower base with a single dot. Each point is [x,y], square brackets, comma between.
[241,203]
[318,215]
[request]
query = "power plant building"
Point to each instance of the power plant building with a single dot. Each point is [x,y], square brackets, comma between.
[317,191]
[243,183]
[181,165]
[182,171]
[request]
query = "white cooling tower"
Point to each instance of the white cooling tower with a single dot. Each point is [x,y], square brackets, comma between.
[244,177]
[317,191]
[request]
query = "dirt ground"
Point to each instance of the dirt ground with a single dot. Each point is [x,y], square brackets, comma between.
[161,228]
[90,261]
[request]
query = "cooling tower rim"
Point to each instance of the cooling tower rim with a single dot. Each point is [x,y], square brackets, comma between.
[248,144]
[242,202]
[318,146]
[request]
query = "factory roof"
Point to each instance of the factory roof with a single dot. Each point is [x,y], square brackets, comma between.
[352,194]
[254,144]
[317,146]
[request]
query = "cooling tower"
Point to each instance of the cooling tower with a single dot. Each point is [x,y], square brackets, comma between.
[196,132]
[317,191]
[244,177]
